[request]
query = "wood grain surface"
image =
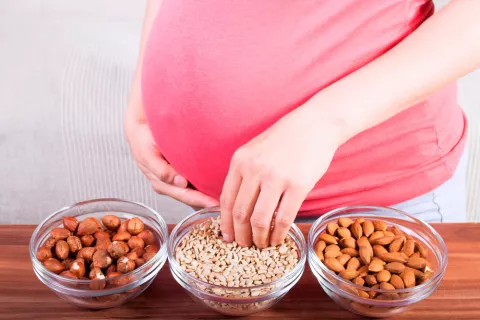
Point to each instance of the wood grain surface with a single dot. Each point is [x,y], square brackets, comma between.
[23,296]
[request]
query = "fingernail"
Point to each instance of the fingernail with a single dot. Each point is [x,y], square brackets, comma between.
[180,181]
[227,238]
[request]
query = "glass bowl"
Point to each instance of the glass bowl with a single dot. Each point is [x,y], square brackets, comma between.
[228,300]
[345,293]
[116,290]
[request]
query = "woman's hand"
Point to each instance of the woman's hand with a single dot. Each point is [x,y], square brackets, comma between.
[162,176]
[274,173]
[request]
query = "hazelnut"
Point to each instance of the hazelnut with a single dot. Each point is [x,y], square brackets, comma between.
[139,262]
[60,233]
[147,237]
[151,248]
[101,259]
[139,251]
[53,265]
[99,224]
[67,263]
[112,268]
[135,226]
[123,226]
[103,243]
[117,279]
[95,272]
[101,235]
[74,243]
[148,256]
[125,265]
[132,256]
[98,282]
[50,243]
[111,222]
[121,236]
[78,268]
[86,253]
[70,223]
[118,249]
[44,254]
[136,242]
[111,233]
[88,226]
[62,249]
[69,274]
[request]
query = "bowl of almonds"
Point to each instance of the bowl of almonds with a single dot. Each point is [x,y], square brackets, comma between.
[226,277]
[376,261]
[100,253]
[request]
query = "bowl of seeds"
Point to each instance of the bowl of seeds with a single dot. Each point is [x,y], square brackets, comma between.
[226,277]
[376,261]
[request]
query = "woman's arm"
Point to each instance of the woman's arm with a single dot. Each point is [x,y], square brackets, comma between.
[162,176]
[262,176]
[444,48]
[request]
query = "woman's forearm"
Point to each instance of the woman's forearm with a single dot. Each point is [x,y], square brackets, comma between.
[135,110]
[444,48]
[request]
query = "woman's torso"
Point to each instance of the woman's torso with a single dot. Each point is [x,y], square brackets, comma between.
[219,72]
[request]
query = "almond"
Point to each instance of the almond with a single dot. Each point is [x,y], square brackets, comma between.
[363,294]
[344,258]
[348,274]
[366,254]
[353,264]
[318,249]
[378,260]
[409,247]
[417,273]
[332,254]
[383,241]
[368,228]
[344,232]
[363,241]
[397,282]
[359,281]
[375,266]
[371,280]
[394,257]
[396,244]
[423,252]
[383,276]
[416,255]
[379,250]
[327,238]
[331,228]
[332,247]
[363,271]
[373,294]
[395,267]
[60,233]
[347,243]
[408,278]
[416,263]
[389,233]
[334,265]
[350,251]
[70,223]
[376,235]
[396,231]
[388,286]
[345,222]
[356,229]
[379,225]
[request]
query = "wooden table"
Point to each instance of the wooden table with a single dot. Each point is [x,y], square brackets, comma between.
[23,296]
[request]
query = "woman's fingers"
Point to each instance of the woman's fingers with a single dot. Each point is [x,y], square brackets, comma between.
[242,211]
[188,196]
[261,220]
[227,201]
[164,172]
[289,205]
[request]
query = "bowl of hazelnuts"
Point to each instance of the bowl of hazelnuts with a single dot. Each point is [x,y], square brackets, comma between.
[99,253]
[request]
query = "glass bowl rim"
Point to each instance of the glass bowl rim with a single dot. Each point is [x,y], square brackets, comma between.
[285,279]
[317,263]
[161,254]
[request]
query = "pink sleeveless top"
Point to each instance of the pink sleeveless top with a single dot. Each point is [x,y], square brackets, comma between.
[217,73]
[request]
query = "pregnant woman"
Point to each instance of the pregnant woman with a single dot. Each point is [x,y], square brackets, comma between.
[278,109]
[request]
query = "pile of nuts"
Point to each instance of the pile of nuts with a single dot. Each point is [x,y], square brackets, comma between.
[203,254]
[90,250]
[370,253]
